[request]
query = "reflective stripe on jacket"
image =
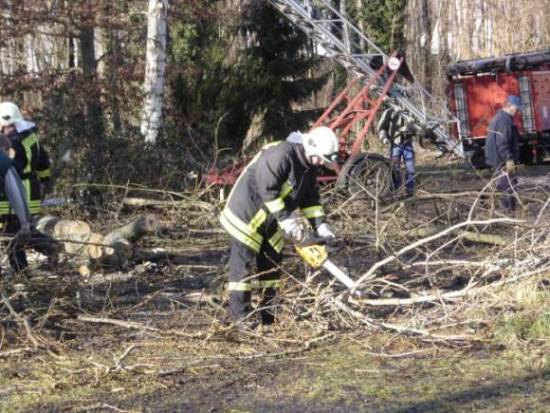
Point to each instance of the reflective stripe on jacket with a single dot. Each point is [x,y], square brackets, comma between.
[32,164]
[276,182]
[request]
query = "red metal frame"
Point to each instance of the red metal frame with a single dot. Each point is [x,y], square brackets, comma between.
[360,108]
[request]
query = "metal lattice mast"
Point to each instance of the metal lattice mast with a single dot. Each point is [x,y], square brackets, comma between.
[336,36]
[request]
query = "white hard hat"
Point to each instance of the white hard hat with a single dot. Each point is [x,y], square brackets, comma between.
[321,142]
[9,114]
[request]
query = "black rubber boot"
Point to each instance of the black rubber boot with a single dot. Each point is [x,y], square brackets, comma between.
[18,259]
[267,313]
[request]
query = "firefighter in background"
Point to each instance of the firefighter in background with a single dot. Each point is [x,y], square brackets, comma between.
[394,132]
[261,212]
[13,193]
[502,150]
[13,201]
[32,164]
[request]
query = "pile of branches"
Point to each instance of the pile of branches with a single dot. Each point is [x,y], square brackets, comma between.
[422,266]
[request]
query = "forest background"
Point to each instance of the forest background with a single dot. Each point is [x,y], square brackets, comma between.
[236,71]
[449,324]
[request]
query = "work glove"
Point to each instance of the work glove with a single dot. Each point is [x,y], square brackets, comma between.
[293,229]
[326,232]
[384,137]
[510,166]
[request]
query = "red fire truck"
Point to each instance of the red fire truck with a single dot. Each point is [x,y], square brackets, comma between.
[478,89]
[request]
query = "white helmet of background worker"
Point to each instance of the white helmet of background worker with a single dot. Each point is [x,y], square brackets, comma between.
[321,145]
[9,114]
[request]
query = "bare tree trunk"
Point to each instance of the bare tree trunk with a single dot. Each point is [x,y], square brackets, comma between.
[89,69]
[114,64]
[71,53]
[153,87]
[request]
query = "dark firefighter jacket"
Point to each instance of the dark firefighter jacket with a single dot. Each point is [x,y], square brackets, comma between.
[502,140]
[12,189]
[395,126]
[276,182]
[32,164]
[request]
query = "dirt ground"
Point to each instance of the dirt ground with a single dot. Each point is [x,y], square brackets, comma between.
[151,338]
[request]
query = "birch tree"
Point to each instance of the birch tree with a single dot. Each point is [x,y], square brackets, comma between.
[153,87]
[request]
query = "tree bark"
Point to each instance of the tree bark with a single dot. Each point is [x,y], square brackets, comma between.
[153,87]
[89,69]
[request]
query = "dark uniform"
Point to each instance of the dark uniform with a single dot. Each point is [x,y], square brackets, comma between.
[33,166]
[502,145]
[275,183]
[12,189]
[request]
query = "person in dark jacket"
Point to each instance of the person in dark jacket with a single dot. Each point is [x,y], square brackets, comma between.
[502,150]
[32,164]
[12,189]
[394,132]
[261,212]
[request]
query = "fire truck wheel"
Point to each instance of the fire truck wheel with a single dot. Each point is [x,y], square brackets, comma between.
[371,176]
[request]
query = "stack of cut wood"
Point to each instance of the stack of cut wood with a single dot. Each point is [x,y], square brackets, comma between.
[91,249]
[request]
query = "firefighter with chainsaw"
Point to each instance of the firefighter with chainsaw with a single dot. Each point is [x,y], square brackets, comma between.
[32,164]
[261,212]
[502,150]
[394,132]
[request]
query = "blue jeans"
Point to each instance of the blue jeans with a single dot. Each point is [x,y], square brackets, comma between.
[404,151]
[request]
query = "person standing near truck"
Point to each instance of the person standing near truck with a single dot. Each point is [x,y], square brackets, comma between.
[502,150]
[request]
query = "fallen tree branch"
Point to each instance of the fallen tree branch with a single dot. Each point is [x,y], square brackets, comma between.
[491,239]
[144,202]
[23,321]
[9,353]
[369,274]
[414,300]
[138,326]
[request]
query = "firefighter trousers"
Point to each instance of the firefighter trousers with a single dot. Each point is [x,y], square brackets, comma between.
[242,280]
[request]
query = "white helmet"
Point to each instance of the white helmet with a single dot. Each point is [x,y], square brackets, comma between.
[9,114]
[321,142]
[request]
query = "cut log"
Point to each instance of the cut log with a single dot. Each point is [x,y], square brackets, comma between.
[119,241]
[73,234]
[117,252]
[112,250]
[95,246]
[146,224]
